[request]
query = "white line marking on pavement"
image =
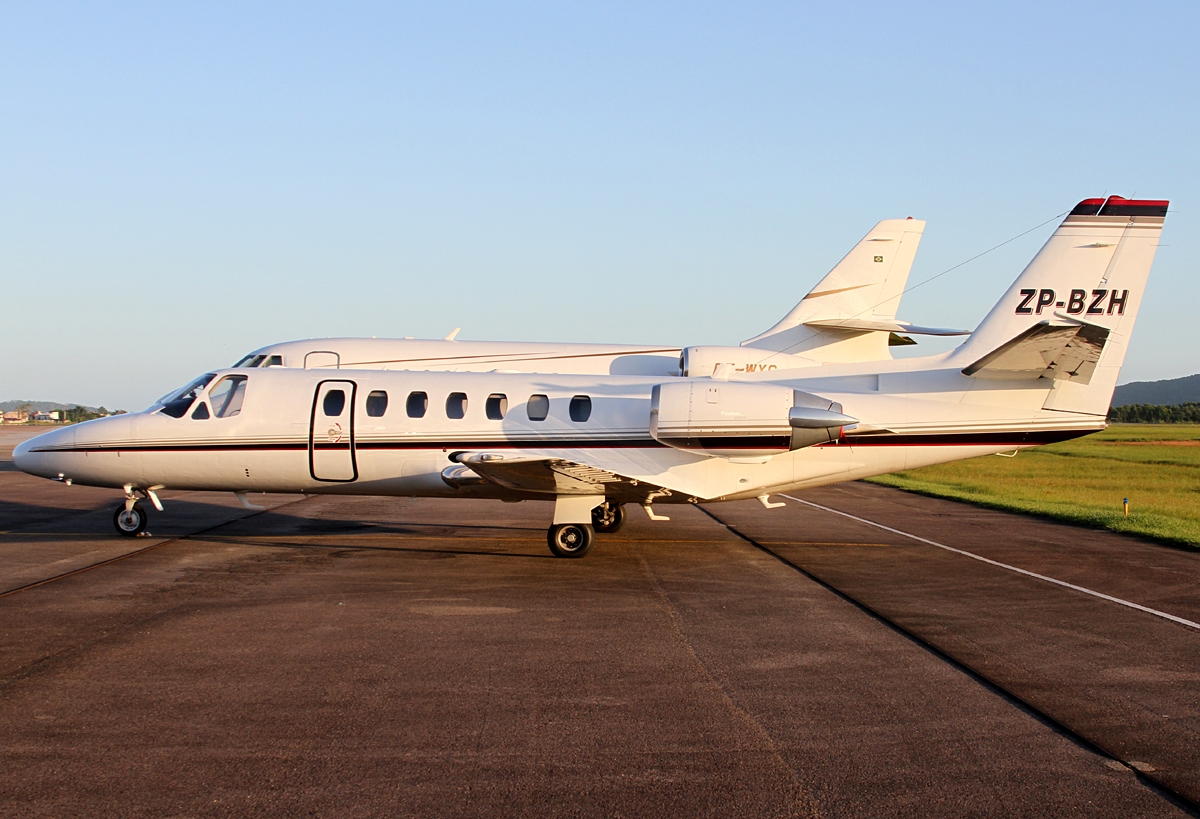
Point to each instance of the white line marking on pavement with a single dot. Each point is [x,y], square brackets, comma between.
[982,559]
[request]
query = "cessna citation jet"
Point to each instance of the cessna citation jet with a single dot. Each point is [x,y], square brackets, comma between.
[1040,368]
[849,316]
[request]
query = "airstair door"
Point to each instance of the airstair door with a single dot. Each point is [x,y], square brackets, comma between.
[331,434]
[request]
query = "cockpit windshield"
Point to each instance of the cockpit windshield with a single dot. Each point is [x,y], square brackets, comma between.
[253,360]
[175,404]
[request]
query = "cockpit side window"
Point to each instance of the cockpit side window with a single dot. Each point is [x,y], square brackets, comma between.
[227,396]
[200,413]
[274,361]
[176,404]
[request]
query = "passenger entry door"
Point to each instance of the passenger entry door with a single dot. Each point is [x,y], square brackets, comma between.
[331,433]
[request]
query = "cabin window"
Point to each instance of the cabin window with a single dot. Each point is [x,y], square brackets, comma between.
[497,406]
[581,408]
[177,403]
[456,405]
[538,407]
[334,403]
[418,403]
[377,404]
[200,413]
[227,396]
[274,361]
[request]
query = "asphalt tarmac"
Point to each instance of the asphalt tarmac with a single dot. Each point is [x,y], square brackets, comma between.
[398,657]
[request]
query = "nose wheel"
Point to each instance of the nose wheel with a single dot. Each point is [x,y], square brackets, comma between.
[608,517]
[130,522]
[571,539]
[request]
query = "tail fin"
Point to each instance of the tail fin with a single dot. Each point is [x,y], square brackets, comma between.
[1068,316]
[866,285]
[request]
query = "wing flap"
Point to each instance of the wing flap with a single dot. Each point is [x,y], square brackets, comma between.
[548,475]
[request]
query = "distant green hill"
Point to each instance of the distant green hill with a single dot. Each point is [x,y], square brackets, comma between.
[41,406]
[1172,391]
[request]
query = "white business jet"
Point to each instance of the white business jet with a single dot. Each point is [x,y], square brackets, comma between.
[1040,368]
[849,316]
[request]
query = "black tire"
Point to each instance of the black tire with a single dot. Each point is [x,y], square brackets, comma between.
[570,539]
[608,518]
[130,523]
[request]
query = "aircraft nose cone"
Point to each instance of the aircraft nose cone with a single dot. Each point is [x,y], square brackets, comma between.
[27,458]
[23,459]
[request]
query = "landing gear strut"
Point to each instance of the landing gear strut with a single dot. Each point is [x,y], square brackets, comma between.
[608,517]
[130,521]
[570,539]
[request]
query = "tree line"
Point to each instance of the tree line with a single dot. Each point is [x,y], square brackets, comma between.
[1186,413]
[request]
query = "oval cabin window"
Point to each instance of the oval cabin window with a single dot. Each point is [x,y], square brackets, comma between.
[334,403]
[538,407]
[418,403]
[497,406]
[377,404]
[456,405]
[581,408]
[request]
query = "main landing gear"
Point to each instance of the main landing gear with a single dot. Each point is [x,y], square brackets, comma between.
[577,539]
[571,539]
[130,520]
[608,518]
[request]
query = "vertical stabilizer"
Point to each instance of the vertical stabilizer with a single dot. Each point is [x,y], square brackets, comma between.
[1068,317]
[865,285]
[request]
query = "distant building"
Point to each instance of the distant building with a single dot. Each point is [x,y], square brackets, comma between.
[16,417]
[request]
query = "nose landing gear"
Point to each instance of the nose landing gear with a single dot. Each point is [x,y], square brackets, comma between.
[130,520]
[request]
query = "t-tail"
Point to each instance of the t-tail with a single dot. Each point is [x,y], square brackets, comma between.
[851,314]
[1068,317]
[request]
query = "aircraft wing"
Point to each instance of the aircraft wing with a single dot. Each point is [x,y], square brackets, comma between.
[1067,352]
[552,475]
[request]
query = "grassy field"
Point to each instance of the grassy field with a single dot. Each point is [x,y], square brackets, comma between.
[1156,466]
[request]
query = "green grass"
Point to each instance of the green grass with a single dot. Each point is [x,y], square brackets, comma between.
[1156,466]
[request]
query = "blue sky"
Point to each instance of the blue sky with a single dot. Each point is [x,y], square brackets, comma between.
[183,183]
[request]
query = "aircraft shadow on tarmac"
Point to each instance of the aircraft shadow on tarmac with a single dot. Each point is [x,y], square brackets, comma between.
[18,519]
[270,526]
[343,548]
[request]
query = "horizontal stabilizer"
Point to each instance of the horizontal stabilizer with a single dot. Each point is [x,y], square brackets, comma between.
[887,326]
[1045,350]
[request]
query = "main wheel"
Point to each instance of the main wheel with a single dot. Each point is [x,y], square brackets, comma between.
[570,539]
[608,517]
[130,522]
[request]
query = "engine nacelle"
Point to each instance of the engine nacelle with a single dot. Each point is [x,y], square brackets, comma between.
[731,419]
[701,362]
